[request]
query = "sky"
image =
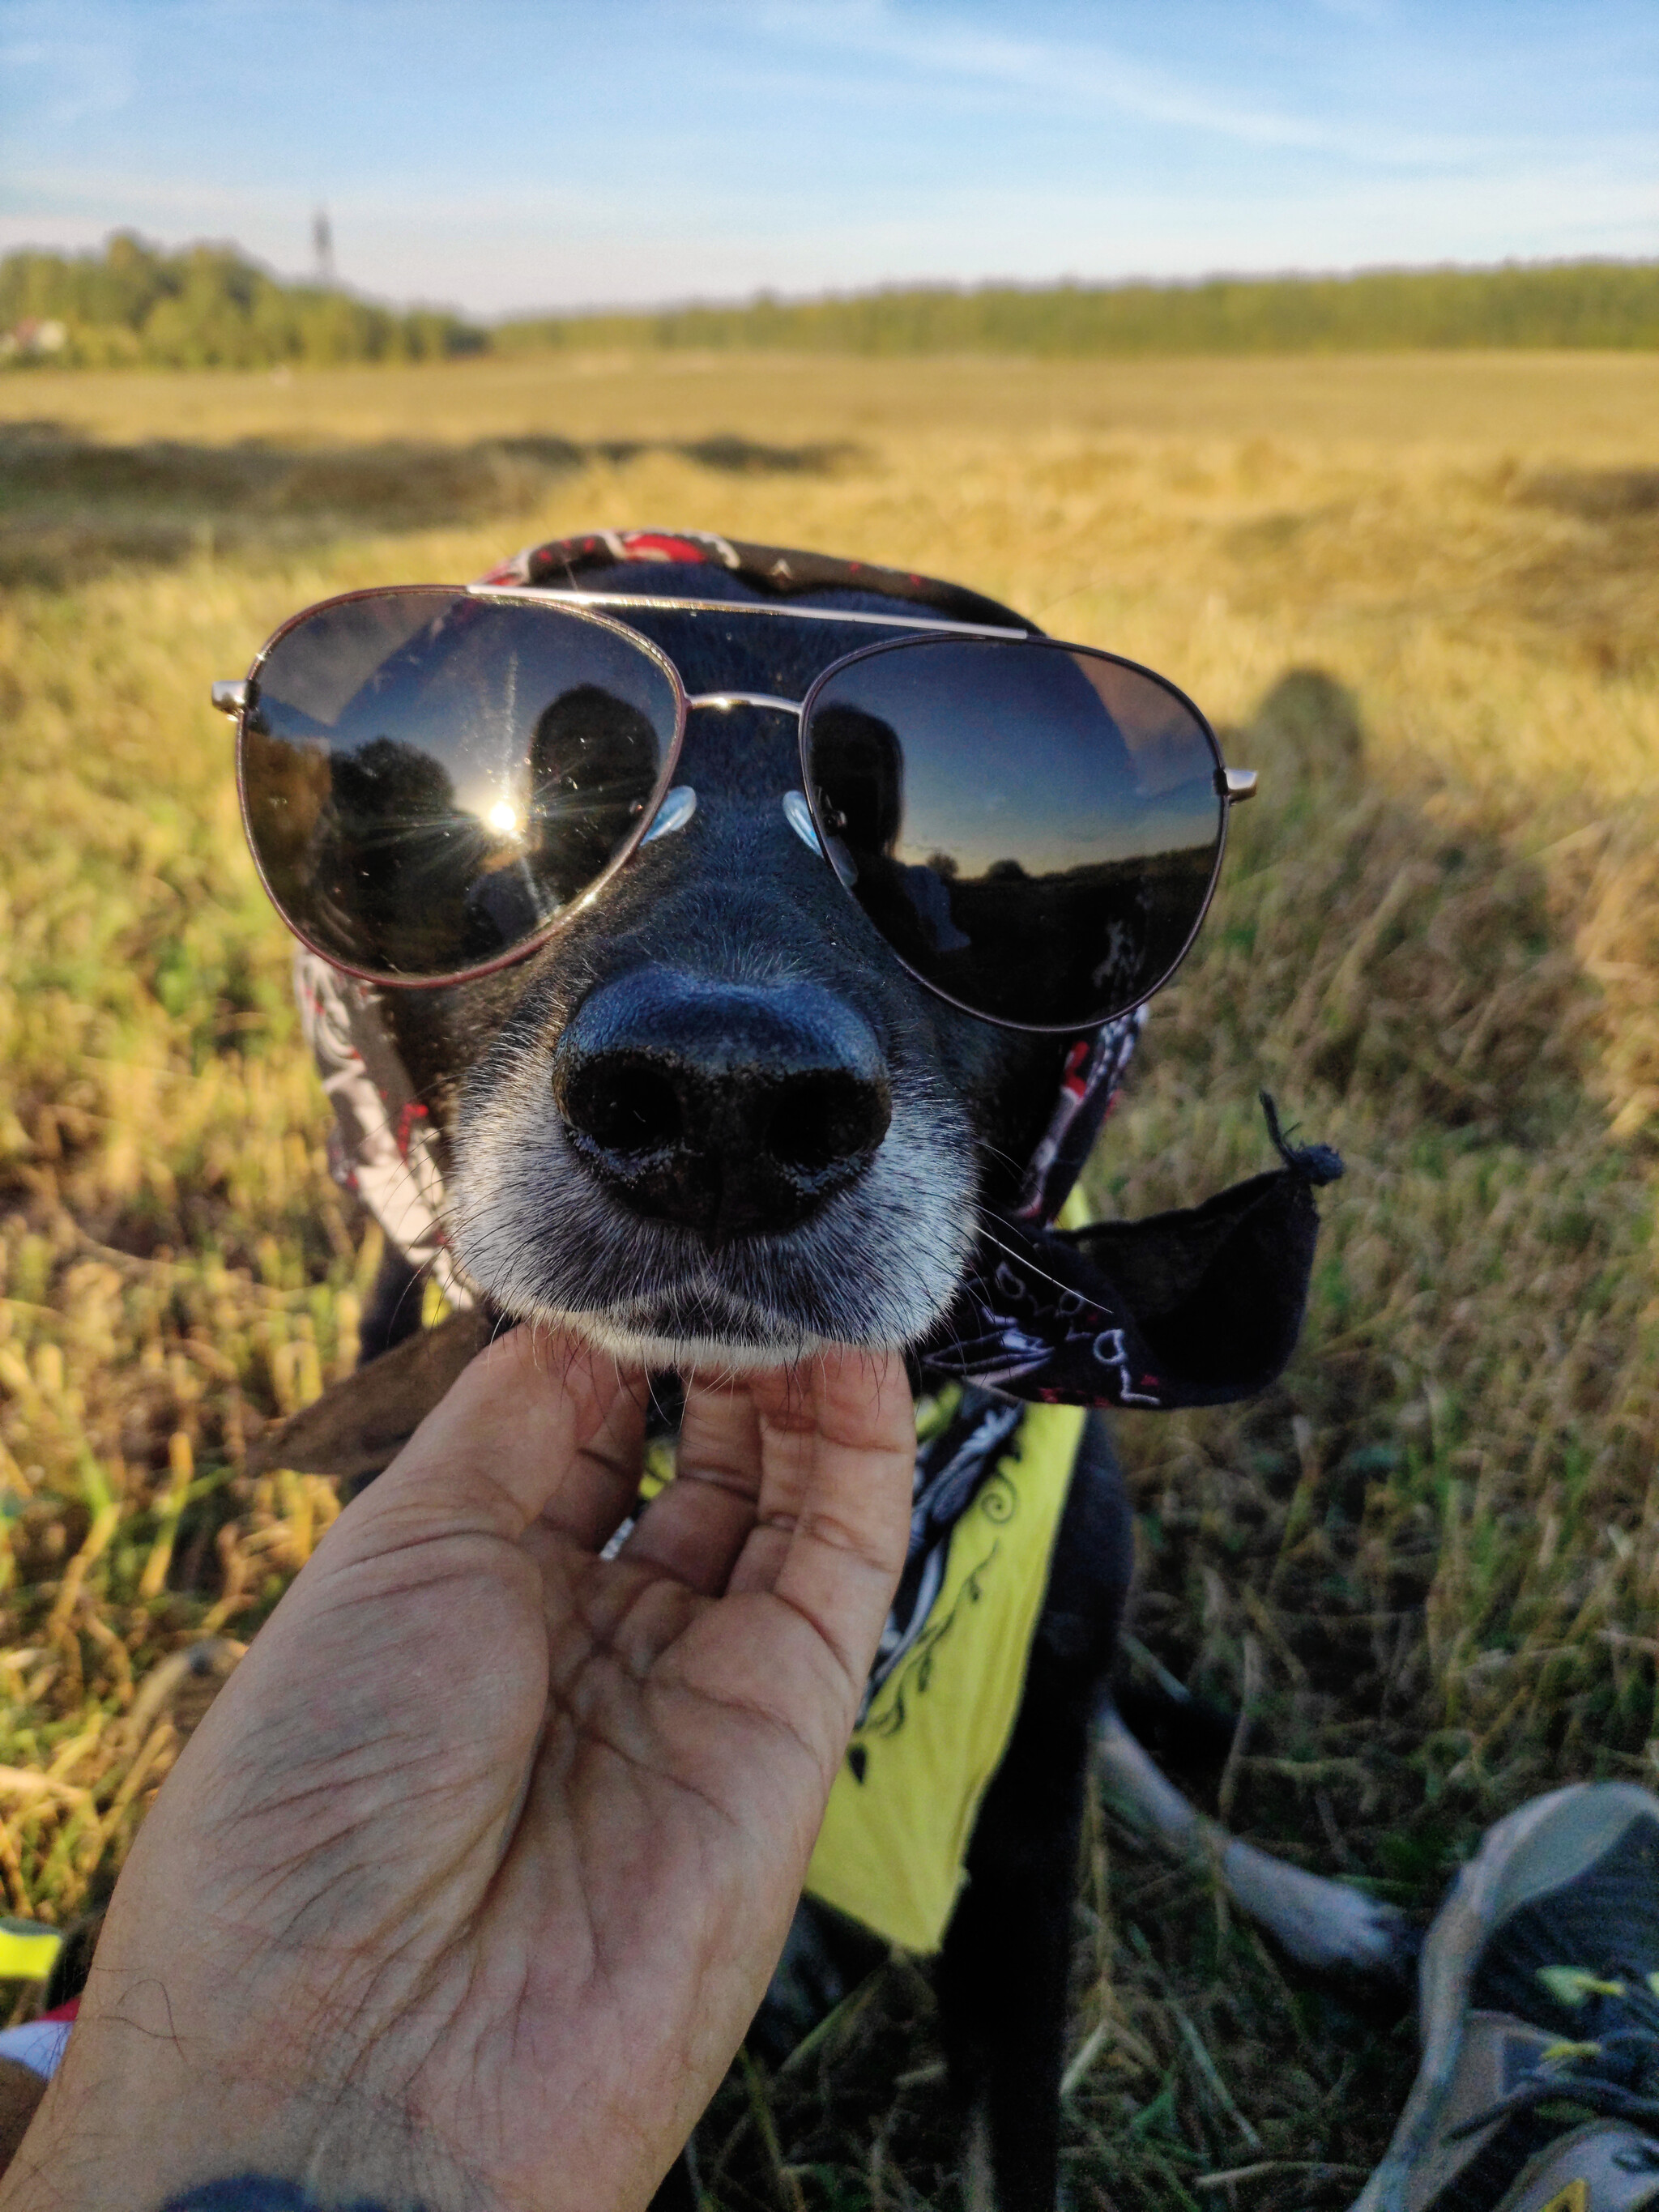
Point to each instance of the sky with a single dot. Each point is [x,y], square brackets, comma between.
[514,155]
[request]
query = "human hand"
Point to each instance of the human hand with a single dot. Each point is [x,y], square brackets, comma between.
[466,1889]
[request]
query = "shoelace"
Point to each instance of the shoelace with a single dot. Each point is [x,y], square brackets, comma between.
[1614,2072]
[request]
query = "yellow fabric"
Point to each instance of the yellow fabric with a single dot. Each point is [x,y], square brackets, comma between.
[891,1848]
[27,1953]
[1077,1212]
[903,1805]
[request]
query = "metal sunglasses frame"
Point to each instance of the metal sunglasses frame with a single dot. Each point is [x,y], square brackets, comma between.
[1232,786]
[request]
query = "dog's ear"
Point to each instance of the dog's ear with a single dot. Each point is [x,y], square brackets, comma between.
[360,1426]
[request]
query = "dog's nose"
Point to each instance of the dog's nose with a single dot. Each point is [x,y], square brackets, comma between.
[731,1108]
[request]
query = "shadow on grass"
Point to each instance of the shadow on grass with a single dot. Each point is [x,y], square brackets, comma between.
[70,508]
[1406,981]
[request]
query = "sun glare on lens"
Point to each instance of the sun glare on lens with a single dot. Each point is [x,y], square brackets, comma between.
[503,818]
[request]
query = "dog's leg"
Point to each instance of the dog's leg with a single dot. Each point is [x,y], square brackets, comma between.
[1002,1976]
[1323,1925]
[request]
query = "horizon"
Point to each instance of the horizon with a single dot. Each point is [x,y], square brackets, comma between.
[563,161]
[737,302]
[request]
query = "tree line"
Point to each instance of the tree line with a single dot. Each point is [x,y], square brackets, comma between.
[1586,303]
[207,307]
[210,306]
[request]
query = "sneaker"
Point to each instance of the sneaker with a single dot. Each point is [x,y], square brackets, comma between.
[1538,2009]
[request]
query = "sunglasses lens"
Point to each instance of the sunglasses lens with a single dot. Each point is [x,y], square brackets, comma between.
[428,778]
[1033,828]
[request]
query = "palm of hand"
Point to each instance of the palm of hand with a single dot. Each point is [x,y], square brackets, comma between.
[469,1884]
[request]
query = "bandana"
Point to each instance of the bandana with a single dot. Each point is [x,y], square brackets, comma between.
[1197,1307]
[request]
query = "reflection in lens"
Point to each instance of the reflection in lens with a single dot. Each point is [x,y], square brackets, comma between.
[1034,829]
[586,762]
[430,778]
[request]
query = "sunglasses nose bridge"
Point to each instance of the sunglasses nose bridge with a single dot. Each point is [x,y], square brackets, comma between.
[796,811]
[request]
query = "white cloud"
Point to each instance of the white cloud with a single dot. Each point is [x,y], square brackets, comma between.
[1075,75]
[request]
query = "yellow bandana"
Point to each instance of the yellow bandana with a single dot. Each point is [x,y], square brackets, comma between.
[903,1808]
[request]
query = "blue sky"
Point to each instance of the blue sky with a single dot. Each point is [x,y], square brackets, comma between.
[507,154]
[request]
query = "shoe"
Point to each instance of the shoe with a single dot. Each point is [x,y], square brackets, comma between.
[1539,2010]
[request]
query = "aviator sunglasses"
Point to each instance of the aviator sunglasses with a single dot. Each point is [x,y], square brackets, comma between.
[435,778]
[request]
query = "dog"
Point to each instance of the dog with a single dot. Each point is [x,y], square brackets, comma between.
[713,1122]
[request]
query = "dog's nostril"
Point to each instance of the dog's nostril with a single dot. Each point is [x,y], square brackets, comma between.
[626,1105]
[822,1121]
[731,1110]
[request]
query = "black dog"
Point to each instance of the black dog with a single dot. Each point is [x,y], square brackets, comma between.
[714,1120]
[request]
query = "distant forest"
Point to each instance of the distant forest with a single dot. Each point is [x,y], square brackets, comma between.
[209,306]
[1584,303]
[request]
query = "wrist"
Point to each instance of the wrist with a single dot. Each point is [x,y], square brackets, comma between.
[162,2127]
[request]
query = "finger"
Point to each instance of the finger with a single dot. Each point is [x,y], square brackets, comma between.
[514,1441]
[695,1528]
[605,1484]
[838,1450]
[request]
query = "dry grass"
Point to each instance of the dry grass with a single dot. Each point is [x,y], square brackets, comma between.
[1423,595]
[1578,407]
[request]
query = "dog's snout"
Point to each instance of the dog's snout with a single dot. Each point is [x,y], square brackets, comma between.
[734,1109]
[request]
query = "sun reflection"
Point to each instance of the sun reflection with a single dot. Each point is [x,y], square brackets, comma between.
[504,818]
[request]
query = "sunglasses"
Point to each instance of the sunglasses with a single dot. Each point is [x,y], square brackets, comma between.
[435,779]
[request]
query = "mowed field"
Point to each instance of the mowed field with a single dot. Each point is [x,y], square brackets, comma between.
[1421,595]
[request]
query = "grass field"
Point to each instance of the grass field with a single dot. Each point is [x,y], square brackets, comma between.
[1422,596]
